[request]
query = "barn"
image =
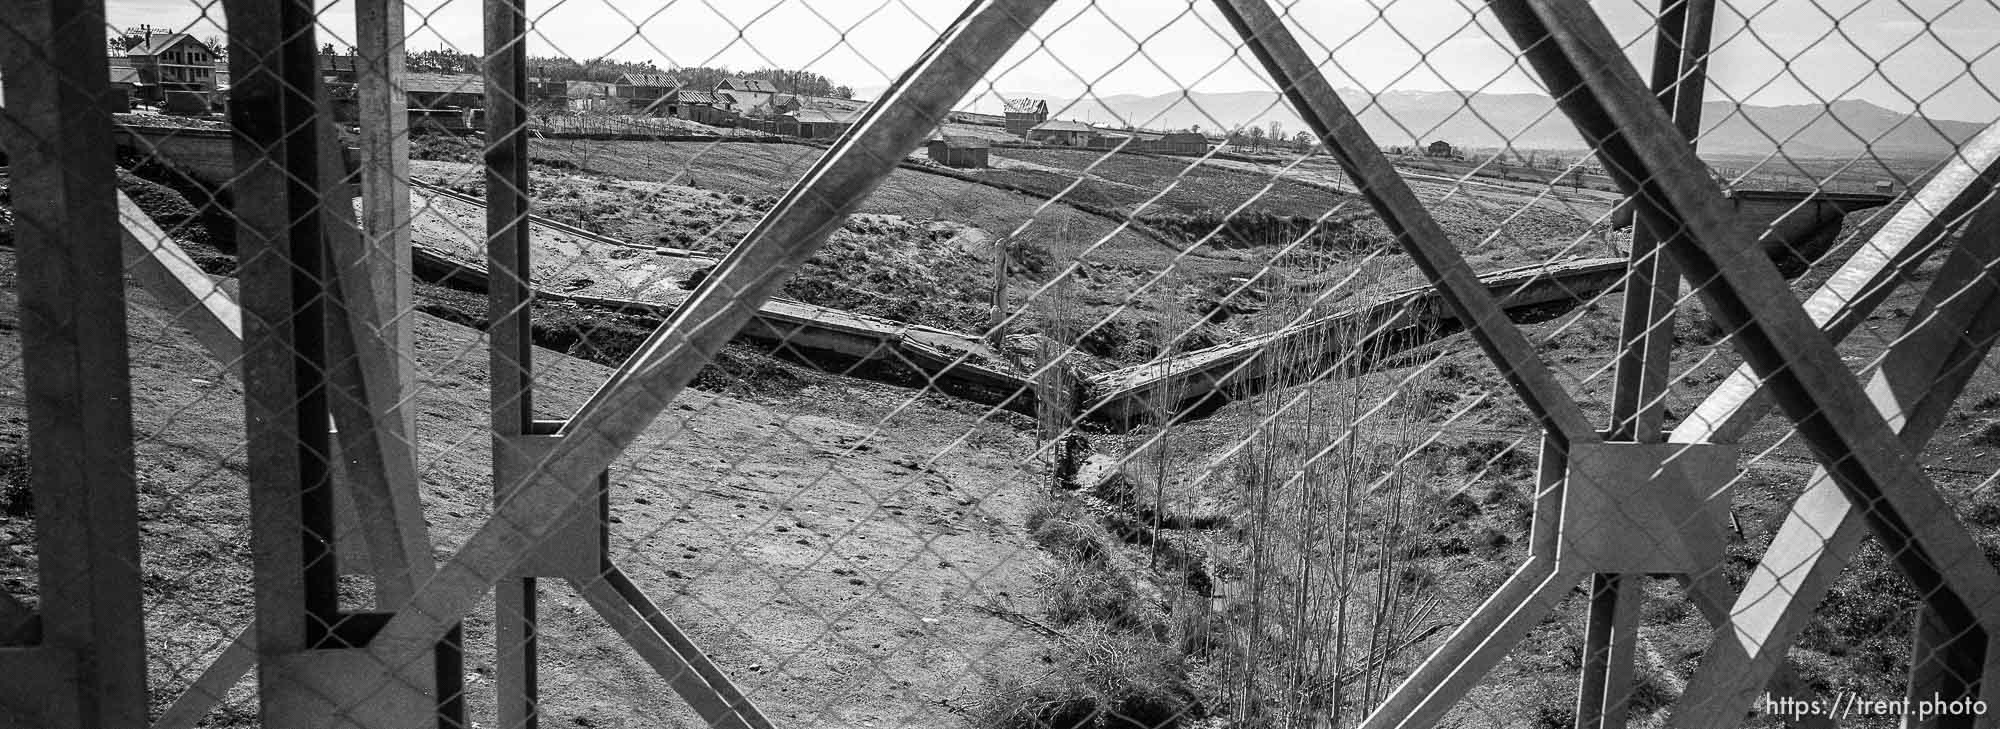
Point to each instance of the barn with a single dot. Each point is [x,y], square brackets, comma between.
[1439,148]
[1024,114]
[953,150]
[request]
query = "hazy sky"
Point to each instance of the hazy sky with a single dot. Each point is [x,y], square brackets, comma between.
[1904,54]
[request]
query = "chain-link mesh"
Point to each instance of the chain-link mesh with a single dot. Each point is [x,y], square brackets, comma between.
[1037,364]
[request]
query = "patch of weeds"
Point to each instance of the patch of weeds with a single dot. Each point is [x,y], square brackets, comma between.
[444,148]
[17,496]
[1061,528]
[1108,681]
[1988,433]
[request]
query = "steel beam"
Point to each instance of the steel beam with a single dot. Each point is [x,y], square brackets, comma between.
[1585,69]
[89,666]
[725,689]
[1298,76]
[1475,648]
[197,302]
[1853,291]
[510,294]
[1496,625]
[726,299]
[1640,384]
[1920,377]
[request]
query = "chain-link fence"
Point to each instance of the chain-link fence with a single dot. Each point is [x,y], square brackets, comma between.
[1027,365]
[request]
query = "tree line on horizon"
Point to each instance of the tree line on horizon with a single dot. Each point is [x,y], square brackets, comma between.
[607,70]
[554,68]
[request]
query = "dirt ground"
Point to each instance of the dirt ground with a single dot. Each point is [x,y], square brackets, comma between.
[843,549]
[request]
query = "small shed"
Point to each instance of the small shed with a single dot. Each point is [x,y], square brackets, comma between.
[118,94]
[952,150]
[1439,148]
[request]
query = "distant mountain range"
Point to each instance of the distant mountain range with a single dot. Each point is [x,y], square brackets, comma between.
[1531,121]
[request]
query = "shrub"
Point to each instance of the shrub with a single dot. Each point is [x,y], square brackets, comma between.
[1061,529]
[1078,596]
[1011,702]
[1108,682]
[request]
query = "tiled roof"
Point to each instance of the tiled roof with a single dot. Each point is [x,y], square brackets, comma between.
[698,97]
[1057,125]
[822,116]
[650,80]
[158,43]
[754,85]
[959,141]
[443,83]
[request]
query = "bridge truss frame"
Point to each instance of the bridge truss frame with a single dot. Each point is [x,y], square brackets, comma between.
[321,377]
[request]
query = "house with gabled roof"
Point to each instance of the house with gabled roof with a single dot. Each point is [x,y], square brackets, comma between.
[643,90]
[170,63]
[1063,133]
[1024,114]
[746,93]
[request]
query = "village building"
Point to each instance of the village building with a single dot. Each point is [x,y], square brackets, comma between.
[444,91]
[1439,148]
[819,123]
[1130,140]
[1192,144]
[1149,142]
[173,63]
[337,68]
[547,90]
[700,107]
[746,94]
[1024,115]
[446,101]
[644,91]
[953,150]
[591,96]
[1063,133]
